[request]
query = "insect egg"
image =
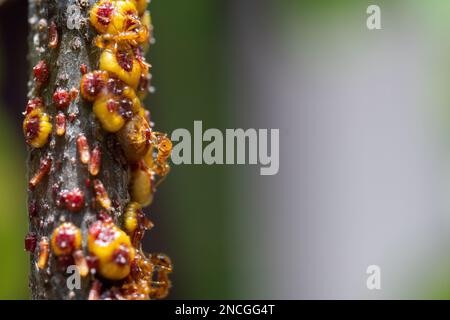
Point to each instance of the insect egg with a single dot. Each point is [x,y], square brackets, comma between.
[61,98]
[41,72]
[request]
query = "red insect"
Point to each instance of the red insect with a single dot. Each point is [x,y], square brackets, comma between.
[83,68]
[30,242]
[74,93]
[33,104]
[73,200]
[61,98]
[41,72]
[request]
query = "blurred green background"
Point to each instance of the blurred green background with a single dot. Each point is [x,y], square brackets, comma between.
[364,125]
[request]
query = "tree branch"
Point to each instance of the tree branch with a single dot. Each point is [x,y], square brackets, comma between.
[61,177]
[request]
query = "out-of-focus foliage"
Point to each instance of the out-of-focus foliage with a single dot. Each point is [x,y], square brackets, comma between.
[13,216]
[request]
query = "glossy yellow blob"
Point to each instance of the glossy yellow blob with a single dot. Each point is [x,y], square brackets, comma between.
[134,138]
[37,127]
[144,80]
[148,158]
[125,15]
[66,239]
[98,20]
[129,93]
[104,241]
[108,62]
[113,17]
[110,120]
[141,187]
[130,219]
[141,5]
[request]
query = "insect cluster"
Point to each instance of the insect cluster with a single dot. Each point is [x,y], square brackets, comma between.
[109,256]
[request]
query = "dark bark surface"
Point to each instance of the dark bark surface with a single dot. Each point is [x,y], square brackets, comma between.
[75,47]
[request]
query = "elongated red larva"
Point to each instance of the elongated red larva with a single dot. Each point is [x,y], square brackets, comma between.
[41,73]
[44,169]
[52,35]
[95,161]
[83,149]
[44,250]
[60,124]
[101,195]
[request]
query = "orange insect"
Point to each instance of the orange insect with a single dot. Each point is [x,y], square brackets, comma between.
[162,267]
[44,168]
[158,162]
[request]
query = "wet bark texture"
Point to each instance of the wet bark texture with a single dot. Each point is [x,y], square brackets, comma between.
[75,47]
